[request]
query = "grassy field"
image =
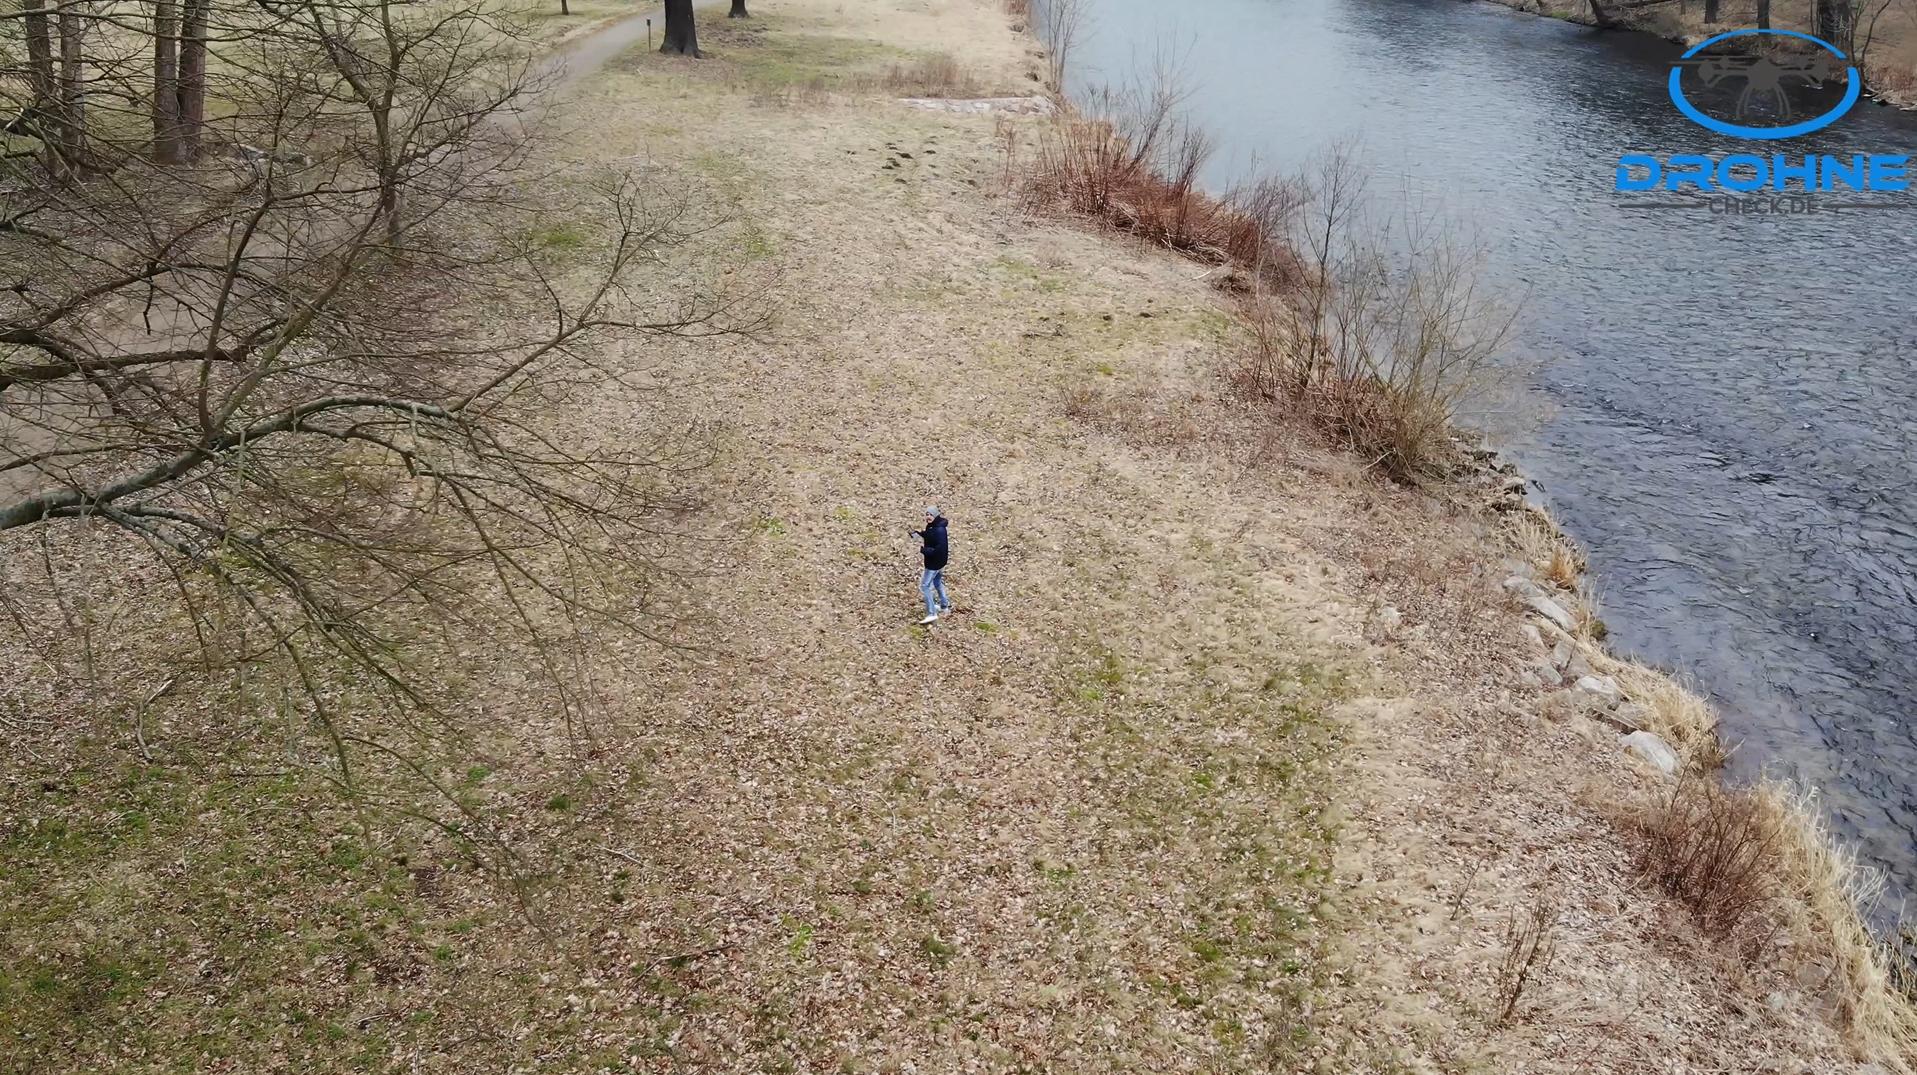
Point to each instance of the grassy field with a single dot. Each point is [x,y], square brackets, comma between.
[1171,792]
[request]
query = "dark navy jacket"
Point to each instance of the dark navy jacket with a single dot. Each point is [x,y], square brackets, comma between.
[935,548]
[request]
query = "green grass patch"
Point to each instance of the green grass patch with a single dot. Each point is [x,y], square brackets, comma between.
[768,52]
[1029,275]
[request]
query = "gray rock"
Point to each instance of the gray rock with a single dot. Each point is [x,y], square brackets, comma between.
[1389,617]
[1633,715]
[1654,750]
[1545,674]
[1028,106]
[1602,689]
[1562,653]
[1383,624]
[1560,706]
[1534,641]
[1537,601]
[1577,668]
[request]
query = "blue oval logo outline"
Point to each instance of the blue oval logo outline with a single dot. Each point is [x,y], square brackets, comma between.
[1690,111]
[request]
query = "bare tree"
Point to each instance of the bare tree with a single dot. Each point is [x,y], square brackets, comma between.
[738,10]
[72,84]
[166,81]
[1836,22]
[682,34]
[39,113]
[1383,331]
[305,379]
[1059,24]
[188,110]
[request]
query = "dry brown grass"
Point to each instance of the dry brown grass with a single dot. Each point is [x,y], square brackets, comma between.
[1564,567]
[1827,896]
[935,75]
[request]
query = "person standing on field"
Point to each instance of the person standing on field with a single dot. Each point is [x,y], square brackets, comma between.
[937,550]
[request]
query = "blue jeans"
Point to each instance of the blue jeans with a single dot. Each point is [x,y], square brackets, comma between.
[932,584]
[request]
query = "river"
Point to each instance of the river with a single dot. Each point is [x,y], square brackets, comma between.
[1727,400]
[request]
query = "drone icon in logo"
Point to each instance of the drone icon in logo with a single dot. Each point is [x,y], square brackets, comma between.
[1765,80]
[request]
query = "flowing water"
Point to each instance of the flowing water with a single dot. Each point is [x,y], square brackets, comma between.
[1729,420]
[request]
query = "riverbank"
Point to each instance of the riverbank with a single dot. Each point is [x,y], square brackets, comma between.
[1227,761]
[1757,865]
[1887,58]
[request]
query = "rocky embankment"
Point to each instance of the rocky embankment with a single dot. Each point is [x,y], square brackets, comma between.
[1560,642]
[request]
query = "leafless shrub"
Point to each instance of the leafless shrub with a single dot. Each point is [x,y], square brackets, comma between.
[1006,133]
[1718,850]
[1059,25]
[1385,333]
[1086,402]
[1135,165]
[1529,947]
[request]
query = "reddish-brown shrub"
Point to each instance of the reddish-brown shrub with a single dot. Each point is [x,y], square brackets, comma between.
[1719,851]
[1137,169]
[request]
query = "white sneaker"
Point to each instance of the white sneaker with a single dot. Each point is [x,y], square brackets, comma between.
[933,618]
[946,611]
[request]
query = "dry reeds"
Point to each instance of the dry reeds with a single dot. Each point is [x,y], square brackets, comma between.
[1827,897]
[935,75]
[1757,866]
[1740,855]
[1564,567]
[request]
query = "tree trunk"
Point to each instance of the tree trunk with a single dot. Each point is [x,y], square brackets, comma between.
[1763,14]
[73,87]
[565,8]
[682,37]
[1833,23]
[189,110]
[1710,11]
[41,110]
[1598,15]
[738,10]
[166,82]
